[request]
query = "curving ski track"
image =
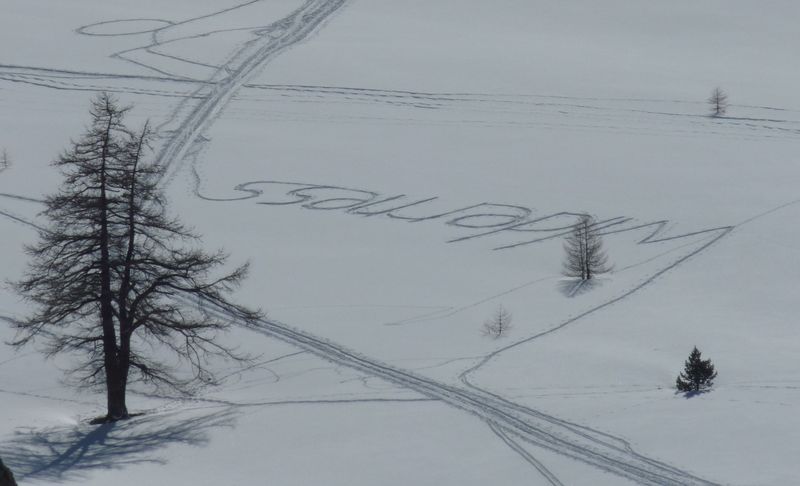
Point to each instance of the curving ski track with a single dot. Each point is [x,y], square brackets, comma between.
[597,449]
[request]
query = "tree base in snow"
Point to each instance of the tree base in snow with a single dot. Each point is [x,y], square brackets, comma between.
[105,419]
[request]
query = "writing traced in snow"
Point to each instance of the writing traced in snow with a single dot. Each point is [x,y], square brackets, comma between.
[516,225]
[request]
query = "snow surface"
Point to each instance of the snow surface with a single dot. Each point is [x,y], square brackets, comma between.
[394,171]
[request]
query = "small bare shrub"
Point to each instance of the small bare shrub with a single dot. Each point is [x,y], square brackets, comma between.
[498,325]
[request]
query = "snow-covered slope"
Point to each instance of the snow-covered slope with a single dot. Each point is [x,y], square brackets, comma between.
[395,171]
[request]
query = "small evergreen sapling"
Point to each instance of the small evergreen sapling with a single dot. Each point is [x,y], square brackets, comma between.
[698,374]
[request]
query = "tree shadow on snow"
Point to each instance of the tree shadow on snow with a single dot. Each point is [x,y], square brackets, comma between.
[576,287]
[69,454]
[691,394]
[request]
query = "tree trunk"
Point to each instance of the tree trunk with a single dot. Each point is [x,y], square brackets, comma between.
[115,379]
[116,384]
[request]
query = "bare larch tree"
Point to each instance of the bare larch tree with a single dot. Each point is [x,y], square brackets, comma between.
[718,101]
[499,324]
[584,255]
[110,273]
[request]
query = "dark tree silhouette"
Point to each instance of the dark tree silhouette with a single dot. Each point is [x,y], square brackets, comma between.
[584,254]
[6,477]
[718,102]
[698,374]
[499,324]
[110,273]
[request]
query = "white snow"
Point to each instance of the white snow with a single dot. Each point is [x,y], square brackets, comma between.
[492,124]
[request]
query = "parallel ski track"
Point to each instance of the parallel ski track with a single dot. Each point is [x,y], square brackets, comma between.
[293,29]
[597,449]
[605,453]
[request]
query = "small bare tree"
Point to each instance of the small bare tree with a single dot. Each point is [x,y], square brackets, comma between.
[583,247]
[499,324]
[718,102]
[5,160]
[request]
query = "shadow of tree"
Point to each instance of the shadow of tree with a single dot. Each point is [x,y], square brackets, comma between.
[691,394]
[69,454]
[575,287]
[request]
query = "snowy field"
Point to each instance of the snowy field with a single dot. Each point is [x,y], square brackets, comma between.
[394,172]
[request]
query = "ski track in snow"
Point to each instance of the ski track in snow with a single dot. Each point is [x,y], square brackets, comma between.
[201,103]
[603,451]
[253,55]
[503,435]
[678,117]
[20,220]
[628,115]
